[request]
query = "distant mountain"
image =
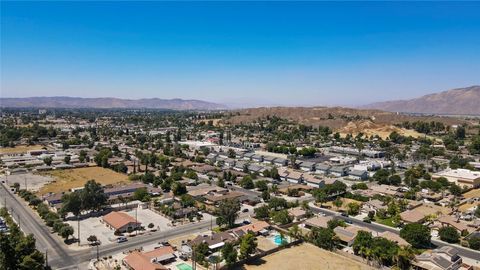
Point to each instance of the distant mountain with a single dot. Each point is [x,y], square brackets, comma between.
[460,101]
[105,103]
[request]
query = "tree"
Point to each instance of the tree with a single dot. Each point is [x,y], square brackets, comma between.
[474,243]
[417,235]
[405,255]
[179,189]
[324,238]
[47,160]
[455,189]
[281,217]
[295,232]
[362,243]
[353,208]
[247,182]
[265,195]
[248,245]
[67,159]
[261,185]
[227,212]
[93,196]
[66,231]
[71,203]
[262,212]
[200,251]
[16,186]
[229,254]
[277,203]
[320,197]
[141,194]
[92,239]
[335,222]
[449,234]
[338,202]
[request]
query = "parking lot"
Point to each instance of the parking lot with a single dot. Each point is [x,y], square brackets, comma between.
[94,225]
[31,181]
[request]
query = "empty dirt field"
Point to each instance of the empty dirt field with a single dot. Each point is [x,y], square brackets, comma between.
[305,256]
[73,178]
[20,149]
[472,193]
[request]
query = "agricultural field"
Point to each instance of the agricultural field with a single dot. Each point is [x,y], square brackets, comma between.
[73,178]
[20,149]
[305,256]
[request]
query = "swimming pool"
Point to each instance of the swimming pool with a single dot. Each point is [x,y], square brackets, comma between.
[184,266]
[277,239]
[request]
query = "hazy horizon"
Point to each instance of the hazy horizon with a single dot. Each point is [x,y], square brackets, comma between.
[242,54]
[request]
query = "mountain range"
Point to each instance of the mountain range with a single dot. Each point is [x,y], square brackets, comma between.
[106,103]
[459,101]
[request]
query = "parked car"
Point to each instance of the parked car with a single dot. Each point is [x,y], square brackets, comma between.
[121,239]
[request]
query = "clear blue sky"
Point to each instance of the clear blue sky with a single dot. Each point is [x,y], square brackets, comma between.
[274,53]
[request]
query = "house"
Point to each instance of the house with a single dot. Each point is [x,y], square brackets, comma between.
[248,156]
[268,159]
[347,235]
[212,157]
[217,198]
[358,175]
[317,222]
[313,181]
[294,177]
[297,213]
[121,222]
[394,238]
[151,260]
[444,258]
[461,177]
[258,227]
[322,168]
[215,241]
[339,171]
[420,213]
[280,161]
[374,205]
[257,158]
[307,166]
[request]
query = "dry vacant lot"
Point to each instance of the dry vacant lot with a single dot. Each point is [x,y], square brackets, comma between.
[20,149]
[73,178]
[305,256]
[472,193]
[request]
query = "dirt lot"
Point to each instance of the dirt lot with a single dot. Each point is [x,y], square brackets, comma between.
[305,256]
[73,178]
[19,149]
[472,193]
[345,203]
[34,182]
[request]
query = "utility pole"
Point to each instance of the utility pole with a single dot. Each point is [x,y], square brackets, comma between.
[136,221]
[25,180]
[46,258]
[78,229]
[97,251]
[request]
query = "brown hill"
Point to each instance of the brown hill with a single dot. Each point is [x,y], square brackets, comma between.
[460,101]
[343,120]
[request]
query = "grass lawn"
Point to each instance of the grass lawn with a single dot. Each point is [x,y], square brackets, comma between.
[386,221]
[74,178]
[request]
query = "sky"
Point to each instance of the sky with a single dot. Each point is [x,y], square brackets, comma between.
[239,53]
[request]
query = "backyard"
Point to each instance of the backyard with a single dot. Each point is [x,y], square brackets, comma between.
[305,256]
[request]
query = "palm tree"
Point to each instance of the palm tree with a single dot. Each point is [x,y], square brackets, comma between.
[295,232]
[404,256]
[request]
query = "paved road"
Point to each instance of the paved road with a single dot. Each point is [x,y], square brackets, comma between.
[80,257]
[61,257]
[31,223]
[465,252]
